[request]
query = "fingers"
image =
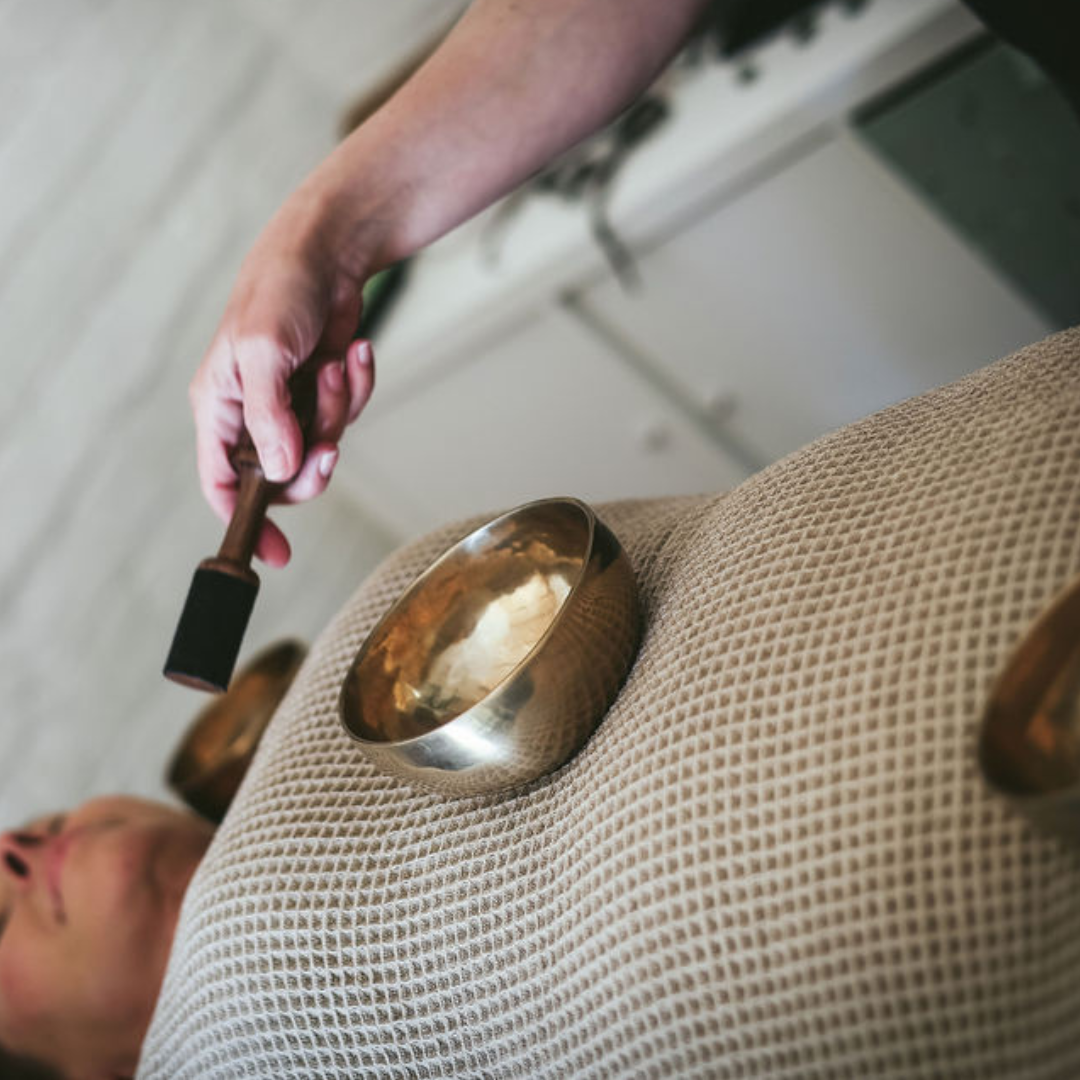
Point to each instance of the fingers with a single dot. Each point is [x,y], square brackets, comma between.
[332,403]
[264,370]
[245,384]
[218,411]
[314,475]
[272,547]
[228,384]
[360,370]
[344,390]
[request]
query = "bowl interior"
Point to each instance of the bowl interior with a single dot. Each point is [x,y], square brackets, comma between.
[225,733]
[463,627]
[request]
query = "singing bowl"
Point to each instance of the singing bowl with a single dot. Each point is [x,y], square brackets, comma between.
[1029,744]
[496,664]
[211,760]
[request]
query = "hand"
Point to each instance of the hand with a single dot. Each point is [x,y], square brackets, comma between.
[291,305]
[513,85]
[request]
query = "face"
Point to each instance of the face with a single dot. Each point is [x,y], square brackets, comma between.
[88,908]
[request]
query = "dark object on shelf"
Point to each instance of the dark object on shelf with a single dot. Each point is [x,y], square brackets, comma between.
[737,24]
[380,294]
[1047,30]
[583,170]
[993,146]
[215,753]
[586,173]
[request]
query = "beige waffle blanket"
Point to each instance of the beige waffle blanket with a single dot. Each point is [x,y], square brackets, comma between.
[776,857]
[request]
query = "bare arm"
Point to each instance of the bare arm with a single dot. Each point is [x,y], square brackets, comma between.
[515,83]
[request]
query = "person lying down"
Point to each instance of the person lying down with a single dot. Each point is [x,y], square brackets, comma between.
[89,902]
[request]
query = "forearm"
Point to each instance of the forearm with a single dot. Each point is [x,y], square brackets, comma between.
[513,86]
[516,83]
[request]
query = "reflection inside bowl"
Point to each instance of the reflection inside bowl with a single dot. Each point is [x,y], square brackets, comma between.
[473,623]
[505,633]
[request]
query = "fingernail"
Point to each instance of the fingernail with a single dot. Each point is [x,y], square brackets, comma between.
[335,377]
[276,465]
[327,463]
[364,353]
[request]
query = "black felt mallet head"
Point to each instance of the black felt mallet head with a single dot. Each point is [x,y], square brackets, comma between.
[223,590]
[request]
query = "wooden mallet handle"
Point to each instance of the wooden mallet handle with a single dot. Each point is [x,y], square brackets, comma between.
[223,590]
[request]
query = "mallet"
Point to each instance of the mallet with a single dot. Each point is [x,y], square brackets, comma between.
[223,591]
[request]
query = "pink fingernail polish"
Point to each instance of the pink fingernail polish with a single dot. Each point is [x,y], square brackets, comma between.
[327,463]
[335,376]
[276,465]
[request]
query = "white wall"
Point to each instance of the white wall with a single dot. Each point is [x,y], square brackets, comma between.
[142,145]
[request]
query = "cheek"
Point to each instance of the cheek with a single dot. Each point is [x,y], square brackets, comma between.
[28,994]
[113,912]
[104,875]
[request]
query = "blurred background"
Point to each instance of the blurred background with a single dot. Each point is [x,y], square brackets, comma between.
[815,213]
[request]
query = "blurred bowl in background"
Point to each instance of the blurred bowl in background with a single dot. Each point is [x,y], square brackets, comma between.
[1029,745]
[210,762]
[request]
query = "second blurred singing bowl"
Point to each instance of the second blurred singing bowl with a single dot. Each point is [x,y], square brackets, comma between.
[215,753]
[1029,747]
[496,664]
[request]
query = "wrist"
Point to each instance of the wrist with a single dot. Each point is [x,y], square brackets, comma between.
[360,209]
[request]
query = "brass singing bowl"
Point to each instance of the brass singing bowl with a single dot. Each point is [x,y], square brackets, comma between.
[211,760]
[1030,741]
[497,663]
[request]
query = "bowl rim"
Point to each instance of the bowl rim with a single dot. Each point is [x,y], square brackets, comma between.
[414,587]
[1059,612]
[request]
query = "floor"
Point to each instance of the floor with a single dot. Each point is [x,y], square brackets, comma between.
[142,145]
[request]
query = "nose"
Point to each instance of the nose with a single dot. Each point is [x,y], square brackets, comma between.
[18,851]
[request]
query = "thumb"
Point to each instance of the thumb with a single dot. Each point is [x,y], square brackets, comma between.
[264,373]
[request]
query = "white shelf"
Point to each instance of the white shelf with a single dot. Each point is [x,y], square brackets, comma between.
[786,272]
[548,410]
[722,136]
